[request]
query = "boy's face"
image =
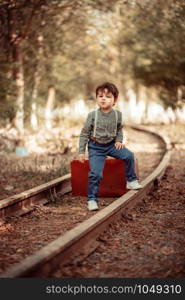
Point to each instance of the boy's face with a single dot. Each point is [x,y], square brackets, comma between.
[105,99]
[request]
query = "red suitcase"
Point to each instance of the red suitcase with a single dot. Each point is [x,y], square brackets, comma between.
[113,183]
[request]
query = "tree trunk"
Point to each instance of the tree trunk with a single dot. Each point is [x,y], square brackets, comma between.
[17,68]
[19,85]
[37,78]
[49,107]
[33,117]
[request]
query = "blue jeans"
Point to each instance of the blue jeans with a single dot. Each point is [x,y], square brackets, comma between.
[97,156]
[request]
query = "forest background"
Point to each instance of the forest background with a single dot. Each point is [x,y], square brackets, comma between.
[53,54]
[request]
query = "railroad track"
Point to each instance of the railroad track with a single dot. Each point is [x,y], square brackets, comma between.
[81,240]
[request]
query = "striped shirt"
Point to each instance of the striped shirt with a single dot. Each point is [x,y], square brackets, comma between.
[105,127]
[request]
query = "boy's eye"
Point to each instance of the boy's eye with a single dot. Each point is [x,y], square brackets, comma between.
[107,96]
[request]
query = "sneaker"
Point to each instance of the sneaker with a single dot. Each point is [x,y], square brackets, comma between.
[133,185]
[92,205]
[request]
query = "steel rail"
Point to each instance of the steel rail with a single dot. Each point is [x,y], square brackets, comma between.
[84,237]
[24,202]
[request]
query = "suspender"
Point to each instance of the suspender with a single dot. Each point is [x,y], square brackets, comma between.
[96,118]
[116,114]
[95,122]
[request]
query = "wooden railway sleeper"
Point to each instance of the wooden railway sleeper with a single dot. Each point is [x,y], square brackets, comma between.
[52,195]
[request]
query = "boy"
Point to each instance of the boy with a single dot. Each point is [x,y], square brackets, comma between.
[103,133]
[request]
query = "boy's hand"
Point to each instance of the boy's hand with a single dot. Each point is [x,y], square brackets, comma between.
[81,157]
[119,145]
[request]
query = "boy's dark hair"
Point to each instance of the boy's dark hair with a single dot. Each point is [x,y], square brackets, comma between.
[110,87]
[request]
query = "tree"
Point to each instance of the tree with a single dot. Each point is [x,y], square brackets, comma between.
[156,43]
[20,22]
